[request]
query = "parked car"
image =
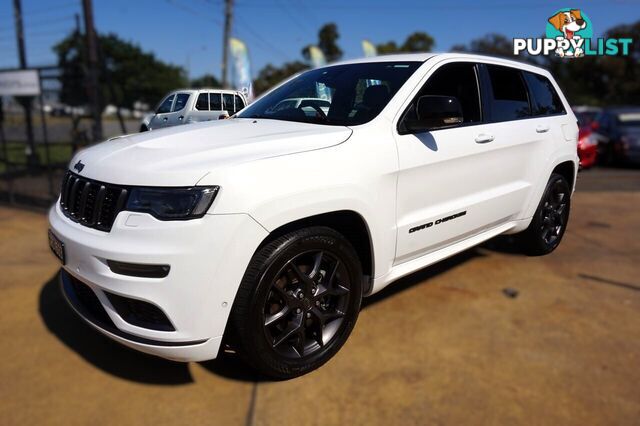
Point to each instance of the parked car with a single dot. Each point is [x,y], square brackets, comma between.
[194,105]
[617,131]
[308,105]
[268,229]
[587,143]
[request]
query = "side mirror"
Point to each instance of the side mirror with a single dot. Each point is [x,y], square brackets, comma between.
[434,112]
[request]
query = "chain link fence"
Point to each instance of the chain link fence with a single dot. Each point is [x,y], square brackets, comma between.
[33,161]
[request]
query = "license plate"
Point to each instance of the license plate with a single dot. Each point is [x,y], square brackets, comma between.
[57,246]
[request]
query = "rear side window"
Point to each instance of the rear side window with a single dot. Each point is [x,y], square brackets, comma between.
[202,103]
[228,103]
[510,99]
[544,98]
[239,103]
[215,102]
[181,101]
[457,80]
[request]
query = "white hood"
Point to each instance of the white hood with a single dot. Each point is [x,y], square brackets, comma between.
[182,155]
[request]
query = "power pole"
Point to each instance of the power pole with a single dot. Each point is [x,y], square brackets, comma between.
[93,89]
[32,156]
[228,17]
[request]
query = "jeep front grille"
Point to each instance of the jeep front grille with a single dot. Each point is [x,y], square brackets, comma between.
[91,203]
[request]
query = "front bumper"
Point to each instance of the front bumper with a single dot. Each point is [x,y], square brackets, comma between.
[207,256]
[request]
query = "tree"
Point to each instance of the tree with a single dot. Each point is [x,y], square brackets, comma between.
[415,42]
[271,75]
[207,80]
[418,42]
[387,48]
[489,44]
[134,75]
[327,42]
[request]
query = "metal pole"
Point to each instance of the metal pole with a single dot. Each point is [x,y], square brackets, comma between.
[32,156]
[45,138]
[93,89]
[228,17]
[5,153]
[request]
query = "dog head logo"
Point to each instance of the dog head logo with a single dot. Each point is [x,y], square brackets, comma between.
[569,27]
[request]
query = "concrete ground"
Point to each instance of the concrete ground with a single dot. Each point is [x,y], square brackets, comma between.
[443,346]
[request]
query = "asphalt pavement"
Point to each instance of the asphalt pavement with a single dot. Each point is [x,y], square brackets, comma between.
[487,337]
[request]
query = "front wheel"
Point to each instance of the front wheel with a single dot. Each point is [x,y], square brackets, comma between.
[298,302]
[550,219]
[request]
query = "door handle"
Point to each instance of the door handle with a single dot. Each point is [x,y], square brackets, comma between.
[181,117]
[542,128]
[484,138]
[165,119]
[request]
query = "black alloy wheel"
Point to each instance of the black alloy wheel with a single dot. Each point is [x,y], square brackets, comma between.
[297,303]
[306,303]
[550,219]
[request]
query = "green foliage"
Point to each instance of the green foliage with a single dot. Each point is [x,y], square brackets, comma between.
[207,80]
[134,75]
[489,44]
[271,75]
[327,42]
[387,48]
[416,42]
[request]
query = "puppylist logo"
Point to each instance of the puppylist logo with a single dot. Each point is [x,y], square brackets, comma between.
[569,34]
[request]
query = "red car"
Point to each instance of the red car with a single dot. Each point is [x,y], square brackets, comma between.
[587,144]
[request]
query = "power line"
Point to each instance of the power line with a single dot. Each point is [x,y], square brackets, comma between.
[53,20]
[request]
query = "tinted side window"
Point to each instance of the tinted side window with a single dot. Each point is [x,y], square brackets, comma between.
[239,103]
[510,99]
[228,103]
[165,106]
[202,103]
[457,80]
[181,101]
[215,103]
[544,98]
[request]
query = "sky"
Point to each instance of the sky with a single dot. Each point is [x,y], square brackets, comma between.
[189,32]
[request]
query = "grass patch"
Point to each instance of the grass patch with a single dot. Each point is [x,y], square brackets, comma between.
[58,153]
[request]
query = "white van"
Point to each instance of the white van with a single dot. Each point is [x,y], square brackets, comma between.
[194,105]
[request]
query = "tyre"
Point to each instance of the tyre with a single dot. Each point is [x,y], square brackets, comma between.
[297,303]
[143,128]
[550,219]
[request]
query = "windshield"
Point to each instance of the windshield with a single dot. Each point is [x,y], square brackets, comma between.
[341,95]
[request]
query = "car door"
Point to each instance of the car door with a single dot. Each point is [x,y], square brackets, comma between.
[179,109]
[454,182]
[162,113]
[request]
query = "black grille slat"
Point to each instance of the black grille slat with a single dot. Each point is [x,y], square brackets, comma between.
[63,190]
[98,205]
[73,197]
[83,200]
[93,204]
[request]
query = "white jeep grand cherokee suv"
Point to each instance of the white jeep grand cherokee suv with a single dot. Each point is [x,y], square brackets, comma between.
[267,230]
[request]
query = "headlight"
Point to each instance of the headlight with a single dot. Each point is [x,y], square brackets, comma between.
[172,203]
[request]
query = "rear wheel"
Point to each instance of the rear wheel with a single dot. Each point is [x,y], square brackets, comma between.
[298,302]
[550,219]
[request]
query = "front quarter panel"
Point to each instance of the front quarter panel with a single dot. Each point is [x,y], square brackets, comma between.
[357,175]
